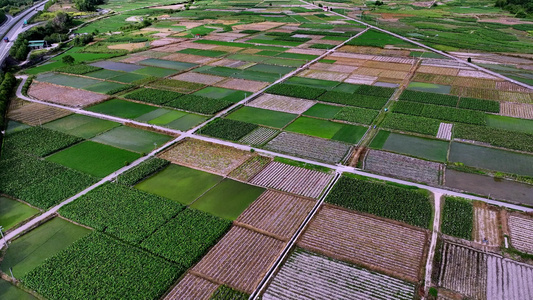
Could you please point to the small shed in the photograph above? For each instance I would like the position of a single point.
(37, 44)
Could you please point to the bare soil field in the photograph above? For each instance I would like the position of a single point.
(228, 63)
(199, 78)
(36, 114)
(291, 179)
(240, 259)
(306, 51)
(374, 51)
(464, 270)
(476, 74)
(387, 65)
(206, 156)
(486, 224)
(508, 279)
(373, 243)
(64, 95)
(479, 83)
(306, 273)
(257, 26)
(190, 58)
(282, 103)
(250, 168)
(402, 166)
(164, 42)
(438, 70)
(134, 59)
(277, 213)
(192, 287)
(243, 85)
(510, 87)
(445, 131)
(128, 46)
(392, 59)
(516, 97)
(521, 230)
(259, 136)
(361, 79)
(333, 67)
(517, 110)
(324, 75)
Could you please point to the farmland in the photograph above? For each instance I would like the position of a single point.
(308, 273)
(268, 150)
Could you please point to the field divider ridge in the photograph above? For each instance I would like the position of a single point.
(433, 242)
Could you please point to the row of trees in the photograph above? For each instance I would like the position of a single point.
(87, 5)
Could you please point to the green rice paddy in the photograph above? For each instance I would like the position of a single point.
(122, 108)
(324, 111)
(327, 129)
(179, 183)
(13, 212)
(228, 199)
(33, 248)
(429, 87)
(80, 125)
(260, 116)
(168, 64)
(104, 87)
(155, 71)
(508, 123)
(94, 158)
(132, 139)
(416, 146)
(222, 93)
(11, 292)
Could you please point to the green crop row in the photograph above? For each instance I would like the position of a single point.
(39, 182)
(228, 129)
(6, 88)
(356, 115)
(376, 91)
(411, 123)
(39, 141)
(430, 98)
(187, 237)
(154, 96)
(440, 112)
(457, 217)
(297, 91)
(356, 99)
(100, 267)
(397, 203)
(124, 212)
(224, 292)
(119, 89)
(496, 137)
(322, 46)
(79, 69)
(199, 104)
(480, 104)
(143, 170)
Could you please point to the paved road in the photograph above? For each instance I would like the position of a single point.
(433, 243)
(14, 27)
(429, 48)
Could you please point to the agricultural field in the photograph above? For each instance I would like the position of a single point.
(275, 149)
(376, 244)
(308, 273)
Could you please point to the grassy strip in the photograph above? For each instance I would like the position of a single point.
(458, 217)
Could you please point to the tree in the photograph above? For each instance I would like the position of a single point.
(67, 59)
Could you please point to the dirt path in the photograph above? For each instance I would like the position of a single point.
(433, 243)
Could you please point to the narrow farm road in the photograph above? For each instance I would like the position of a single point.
(427, 47)
(433, 243)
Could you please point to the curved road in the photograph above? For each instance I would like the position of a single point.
(15, 26)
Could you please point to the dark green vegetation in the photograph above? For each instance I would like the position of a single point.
(411, 206)
(7, 84)
(154, 96)
(122, 108)
(13, 212)
(480, 104)
(439, 112)
(124, 212)
(32, 249)
(411, 123)
(296, 91)
(199, 104)
(325, 111)
(94, 158)
(143, 170)
(458, 217)
(179, 183)
(228, 129)
(327, 129)
(77, 69)
(39, 141)
(452, 101)
(187, 237)
(224, 292)
(495, 137)
(76, 273)
(261, 116)
(354, 99)
(39, 182)
(10, 292)
(378, 39)
(228, 199)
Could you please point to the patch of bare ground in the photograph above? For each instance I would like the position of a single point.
(192, 287)
(240, 259)
(214, 158)
(198, 78)
(517, 110)
(520, 228)
(35, 114)
(242, 84)
(128, 46)
(250, 168)
(486, 224)
(64, 95)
